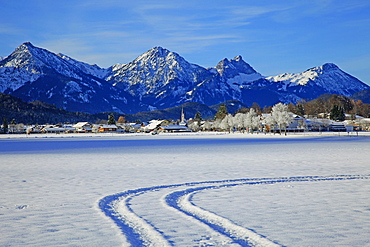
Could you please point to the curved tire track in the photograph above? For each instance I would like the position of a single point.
(140, 232)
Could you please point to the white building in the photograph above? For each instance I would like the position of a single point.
(83, 127)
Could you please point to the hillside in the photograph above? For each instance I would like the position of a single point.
(37, 112)
(40, 112)
(363, 95)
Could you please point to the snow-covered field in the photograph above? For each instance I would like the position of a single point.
(184, 190)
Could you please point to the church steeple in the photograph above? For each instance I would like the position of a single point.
(182, 119)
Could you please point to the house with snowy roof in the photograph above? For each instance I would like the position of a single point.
(174, 128)
(153, 125)
(53, 129)
(297, 122)
(83, 127)
(104, 128)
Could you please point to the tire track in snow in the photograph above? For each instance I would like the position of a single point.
(181, 200)
(137, 231)
(140, 232)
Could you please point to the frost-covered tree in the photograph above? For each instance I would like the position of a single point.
(281, 116)
(247, 121)
(239, 121)
(227, 123)
(217, 124)
(251, 120)
(269, 122)
(194, 126)
(206, 126)
(256, 120)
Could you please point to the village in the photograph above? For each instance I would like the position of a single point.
(250, 122)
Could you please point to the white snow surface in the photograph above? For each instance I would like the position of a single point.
(184, 190)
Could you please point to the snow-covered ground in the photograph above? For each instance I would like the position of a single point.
(185, 190)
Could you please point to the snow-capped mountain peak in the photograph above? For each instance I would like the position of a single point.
(32, 62)
(236, 72)
(329, 66)
(235, 66)
(158, 57)
(329, 77)
(158, 78)
(21, 66)
(157, 51)
(33, 73)
(21, 56)
(156, 72)
(37, 60)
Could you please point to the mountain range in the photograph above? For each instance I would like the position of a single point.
(158, 79)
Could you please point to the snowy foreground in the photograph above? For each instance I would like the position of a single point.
(185, 190)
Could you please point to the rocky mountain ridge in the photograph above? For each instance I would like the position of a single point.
(158, 79)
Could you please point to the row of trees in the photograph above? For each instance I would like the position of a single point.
(249, 120)
(6, 126)
(329, 106)
(333, 104)
(325, 104)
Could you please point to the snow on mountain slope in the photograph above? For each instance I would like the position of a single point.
(158, 79)
(236, 72)
(225, 83)
(212, 91)
(328, 76)
(94, 69)
(28, 63)
(36, 59)
(16, 69)
(156, 71)
(33, 73)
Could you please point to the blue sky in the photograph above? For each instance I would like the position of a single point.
(273, 36)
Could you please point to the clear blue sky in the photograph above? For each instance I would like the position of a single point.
(273, 36)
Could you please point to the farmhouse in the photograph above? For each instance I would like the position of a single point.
(153, 125)
(104, 128)
(174, 128)
(53, 129)
(83, 127)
